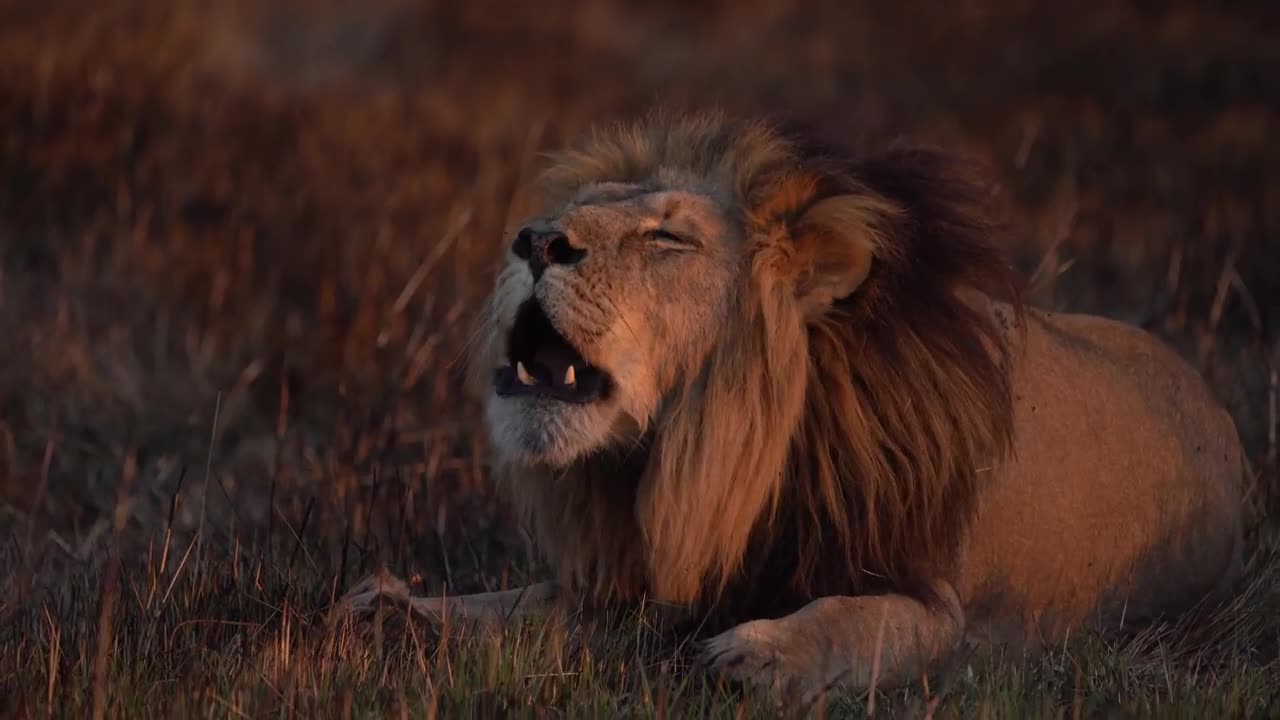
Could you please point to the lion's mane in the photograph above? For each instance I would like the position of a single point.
(837, 453)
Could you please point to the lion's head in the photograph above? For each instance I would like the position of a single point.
(715, 324)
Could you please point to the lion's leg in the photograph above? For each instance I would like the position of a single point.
(840, 640)
(484, 607)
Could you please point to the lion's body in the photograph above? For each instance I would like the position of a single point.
(1119, 502)
(1121, 496)
(825, 417)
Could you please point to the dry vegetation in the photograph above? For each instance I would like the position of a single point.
(239, 247)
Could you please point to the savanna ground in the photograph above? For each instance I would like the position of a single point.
(240, 244)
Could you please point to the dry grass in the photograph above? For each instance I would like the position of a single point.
(239, 248)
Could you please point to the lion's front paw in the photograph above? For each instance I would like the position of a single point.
(381, 588)
(761, 653)
(754, 653)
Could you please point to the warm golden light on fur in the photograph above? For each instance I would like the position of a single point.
(799, 382)
(829, 415)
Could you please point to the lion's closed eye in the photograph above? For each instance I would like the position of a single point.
(668, 240)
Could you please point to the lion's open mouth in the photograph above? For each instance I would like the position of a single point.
(543, 363)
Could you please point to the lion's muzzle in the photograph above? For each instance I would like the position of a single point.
(541, 362)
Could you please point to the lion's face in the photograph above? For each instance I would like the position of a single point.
(598, 309)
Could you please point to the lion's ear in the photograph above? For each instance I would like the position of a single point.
(835, 242)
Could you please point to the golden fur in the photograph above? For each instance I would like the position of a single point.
(831, 417)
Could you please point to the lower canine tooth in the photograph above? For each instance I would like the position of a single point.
(524, 375)
(569, 376)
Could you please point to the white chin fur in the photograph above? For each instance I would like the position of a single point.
(541, 431)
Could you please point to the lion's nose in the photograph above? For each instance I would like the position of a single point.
(543, 248)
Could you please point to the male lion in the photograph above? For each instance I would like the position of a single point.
(735, 371)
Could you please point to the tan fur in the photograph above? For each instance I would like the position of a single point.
(833, 418)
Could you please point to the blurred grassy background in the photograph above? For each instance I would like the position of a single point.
(240, 244)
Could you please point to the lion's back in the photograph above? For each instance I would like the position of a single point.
(1178, 400)
(1123, 493)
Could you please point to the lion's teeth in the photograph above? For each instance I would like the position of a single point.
(569, 376)
(524, 375)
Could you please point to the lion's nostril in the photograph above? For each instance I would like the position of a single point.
(558, 251)
(544, 248)
(523, 245)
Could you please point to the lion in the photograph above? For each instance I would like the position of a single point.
(798, 394)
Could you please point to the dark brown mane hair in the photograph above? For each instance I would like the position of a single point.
(909, 399)
(850, 462)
